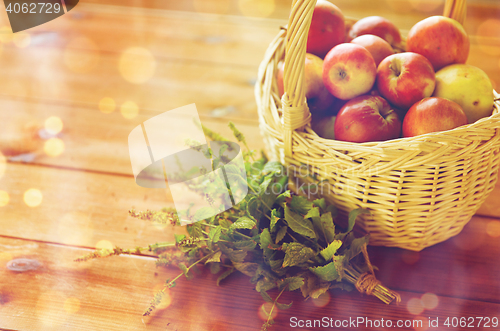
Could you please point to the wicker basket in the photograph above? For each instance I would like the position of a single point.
(420, 190)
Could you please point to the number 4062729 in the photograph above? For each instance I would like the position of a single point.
(471, 322)
(34, 8)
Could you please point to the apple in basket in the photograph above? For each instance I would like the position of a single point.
(349, 70)
(433, 115)
(378, 47)
(378, 26)
(440, 39)
(468, 86)
(367, 118)
(327, 28)
(318, 97)
(405, 78)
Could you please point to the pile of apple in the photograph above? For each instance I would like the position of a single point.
(359, 89)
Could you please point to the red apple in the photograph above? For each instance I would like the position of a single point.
(349, 70)
(327, 28)
(440, 39)
(378, 47)
(433, 115)
(377, 26)
(405, 78)
(367, 118)
(318, 97)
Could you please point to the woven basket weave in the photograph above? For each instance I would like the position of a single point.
(420, 190)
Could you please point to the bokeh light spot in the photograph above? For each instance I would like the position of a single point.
(33, 197)
(81, 55)
(49, 305)
(265, 310)
(21, 39)
(4, 198)
(107, 105)
(429, 301)
(53, 125)
(137, 65)
(166, 299)
(71, 305)
(53, 147)
(104, 244)
(493, 229)
(415, 306)
(322, 300)
(129, 110)
(5, 257)
(256, 8)
(6, 34)
(220, 7)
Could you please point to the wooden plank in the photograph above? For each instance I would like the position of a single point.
(95, 209)
(464, 266)
(80, 208)
(111, 294)
(93, 140)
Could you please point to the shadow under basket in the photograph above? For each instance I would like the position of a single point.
(420, 190)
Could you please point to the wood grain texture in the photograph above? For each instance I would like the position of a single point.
(207, 53)
(112, 293)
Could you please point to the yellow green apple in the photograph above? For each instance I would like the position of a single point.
(468, 86)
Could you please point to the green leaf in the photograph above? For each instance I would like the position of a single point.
(284, 306)
(214, 268)
(214, 258)
(293, 283)
(185, 270)
(327, 272)
(274, 219)
(320, 203)
(243, 223)
(356, 247)
(300, 204)
(281, 234)
(265, 296)
(275, 264)
(254, 208)
(265, 239)
(339, 265)
(233, 255)
(296, 253)
(225, 223)
(264, 285)
(282, 197)
(331, 249)
(353, 215)
(204, 213)
(325, 225)
(246, 268)
(246, 245)
(318, 292)
(214, 236)
(298, 224)
(179, 237)
(224, 275)
(273, 167)
(313, 212)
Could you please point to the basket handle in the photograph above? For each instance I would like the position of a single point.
(295, 111)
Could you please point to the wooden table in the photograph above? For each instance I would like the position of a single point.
(204, 52)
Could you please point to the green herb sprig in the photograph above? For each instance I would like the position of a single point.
(280, 240)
